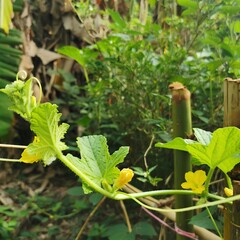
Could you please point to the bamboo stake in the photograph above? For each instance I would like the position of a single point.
(182, 127)
(232, 118)
(235, 234)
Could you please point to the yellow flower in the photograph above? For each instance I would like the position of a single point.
(228, 192)
(195, 181)
(30, 158)
(125, 176)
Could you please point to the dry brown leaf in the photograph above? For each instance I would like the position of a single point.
(78, 29)
(47, 56)
(31, 49)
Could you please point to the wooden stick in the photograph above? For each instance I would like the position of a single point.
(12, 146)
(9, 160)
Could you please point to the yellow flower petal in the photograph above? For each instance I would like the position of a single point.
(186, 185)
(189, 176)
(195, 181)
(199, 190)
(200, 177)
(125, 176)
(29, 158)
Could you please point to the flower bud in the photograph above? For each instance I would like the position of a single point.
(125, 176)
(228, 192)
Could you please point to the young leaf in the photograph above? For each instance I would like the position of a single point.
(20, 94)
(96, 162)
(44, 123)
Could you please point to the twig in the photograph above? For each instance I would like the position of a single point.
(89, 217)
(146, 152)
(9, 160)
(12, 146)
(126, 216)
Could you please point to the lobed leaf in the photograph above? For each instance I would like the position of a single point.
(204, 137)
(220, 149)
(177, 144)
(96, 161)
(44, 123)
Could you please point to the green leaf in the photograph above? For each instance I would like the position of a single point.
(82, 56)
(6, 12)
(20, 94)
(221, 150)
(204, 137)
(96, 161)
(198, 151)
(95, 198)
(75, 191)
(229, 9)
(224, 148)
(12, 39)
(73, 53)
(144, 229)
(177, 144)
(44, 123)
(187, 3)
(120, 231)
(236, 26)
(6, 116)
(116, 17)
(203, 220)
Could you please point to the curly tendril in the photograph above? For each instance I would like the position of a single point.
(40, 87)
(22, 75)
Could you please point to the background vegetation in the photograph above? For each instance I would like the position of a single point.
(125, 56)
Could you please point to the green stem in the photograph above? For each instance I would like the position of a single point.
(208, 180)
(135, 196)
(124, 196)
(77, 171)
(214, 223)
(229, 181)
(86, 74)
(40, 90)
